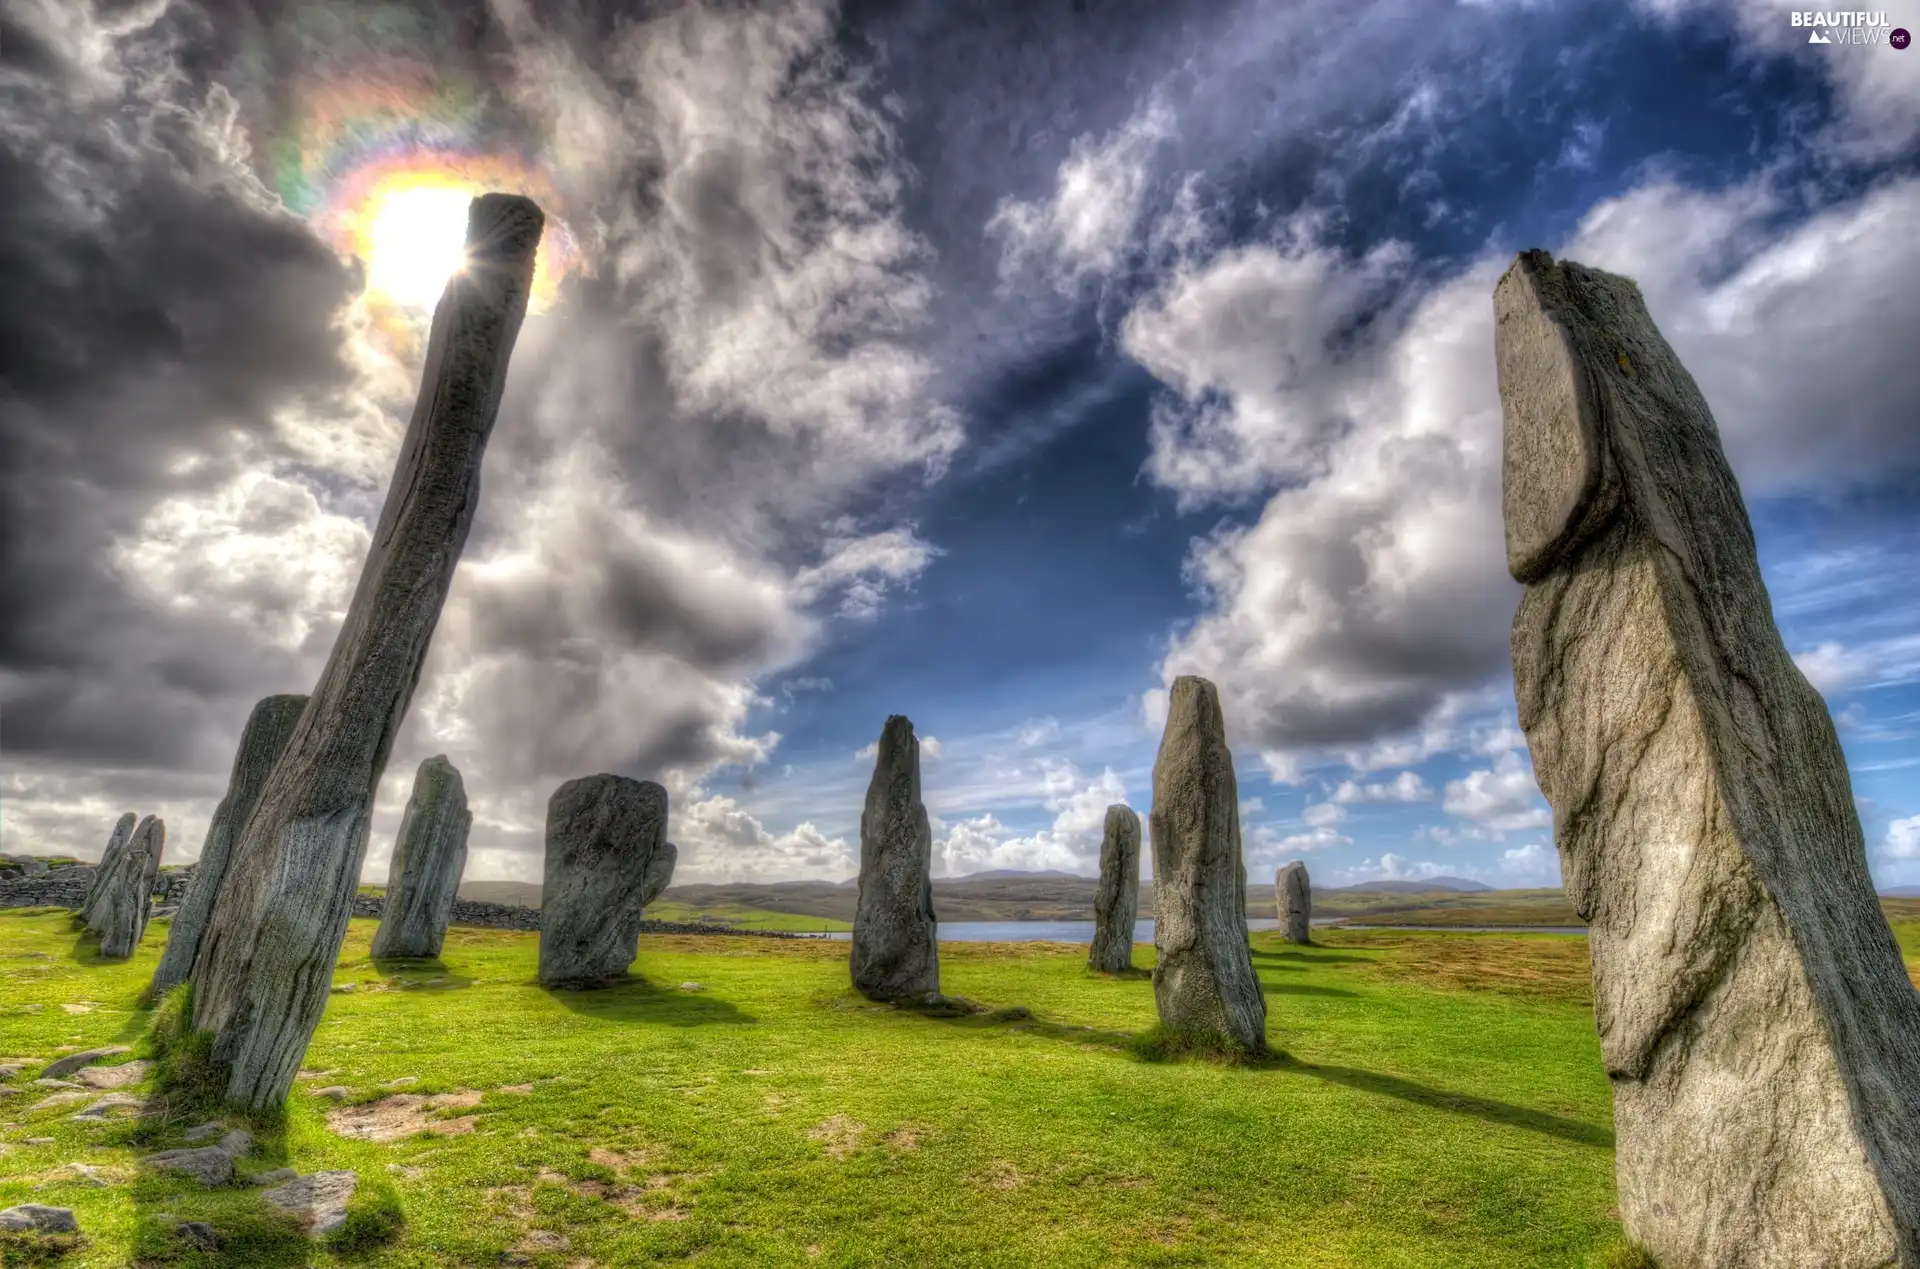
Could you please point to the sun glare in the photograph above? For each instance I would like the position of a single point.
(415, 241)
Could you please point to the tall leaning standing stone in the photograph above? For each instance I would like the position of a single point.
(261, 982)
(109, 858)
(1293, 896)
(1760, 1033)
(1203, 980)
(120, 918)
(1117, 898)
(607, 857)
(262, 741)
(894, 955)
(428, 858)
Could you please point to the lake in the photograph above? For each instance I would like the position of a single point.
(1082, 931)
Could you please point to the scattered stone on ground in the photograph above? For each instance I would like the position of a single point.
(209, 1165)
(1758, 1028)
(39, 1219)
(1293, 897)
(315, 1075)
(264, 738)
(66, 1097)
(334, 1092)
(47, 1083)
(201, 1235)
(105, 1107)
(11, 1070)
(894, 956)
(89, 1173)
(39, 1141)
(203, 1132)
(1117, 899)
(404, 1114)
(604, 834)
(74, 1061)
(428, 858)
(237, 1143)
(113, 1076)
(1203, 979)
(403, 1081)
(273, 1176)
(320, 1200)
(341, 989)
(691, 987)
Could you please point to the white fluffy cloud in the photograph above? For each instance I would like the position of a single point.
(1534, 864)
(1504, 799)
(1405, 787)
(1072, 844)
(861, 570)
(1903, 840)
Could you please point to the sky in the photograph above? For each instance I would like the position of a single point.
(992, 364)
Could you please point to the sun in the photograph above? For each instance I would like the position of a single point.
(415, 241)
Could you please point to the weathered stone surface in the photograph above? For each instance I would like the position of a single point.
(260, 981)
(1761, 1035)
(104, 1108)
(428, 858)
(116, 846)
(659, 874)
(123, 902)
(1293, 896)
(104, 1077)
(1117, 899)
(36, 1218)
(62, 1067)
(605, 834)
(209, 1165)
(320, 1199)
(1203, 979)
(262, 741)
(894, 955)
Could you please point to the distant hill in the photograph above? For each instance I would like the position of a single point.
(1901, 892)
(525, 894)
(1426, 885)
(1009, 874)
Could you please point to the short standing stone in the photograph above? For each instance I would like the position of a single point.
(1757, 1025)
(428, 858)
(1293, 896)
(604, 833)
(116, 846)
(260, 979)
(264, 738)
(120, 915)
(1117, 898)
(319, 1200)
(894, 954)
(1203, 979)
(34, 1218)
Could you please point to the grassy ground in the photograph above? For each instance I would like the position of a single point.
(1442, 1104)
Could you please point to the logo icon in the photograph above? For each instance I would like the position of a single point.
(1899, 38)
(1818, 38)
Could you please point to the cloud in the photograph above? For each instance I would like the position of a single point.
(1903, 840)
(1534, 863)
(1088, 225)
(1405, 787)
(862, 570)
(1392, 867)
(720, 841)
(930, 750)
(1072, 844)
(1501, 800)
(1318, 814)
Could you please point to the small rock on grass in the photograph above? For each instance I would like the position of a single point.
(110, 1103)
(237, 1143)
(39, 1219)
(278, 1176)
(203, 1236)
(203, 1132)
(86, 1057)
(66, 1097)
(39, 1141)
(113, 1076)
(320, 1199)
(335, 1092)
(88, 1173)
(209, 1165)
(43, 1082)
(691, 987)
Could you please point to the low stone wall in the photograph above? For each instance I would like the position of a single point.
(67, 888)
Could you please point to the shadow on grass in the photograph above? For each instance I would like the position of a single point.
(1304, 989)
(427, 973)
(1293, 958)
(638, 999)
(1461, 1103)
(173, 1213)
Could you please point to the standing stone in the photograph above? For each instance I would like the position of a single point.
(1203, 980)
(659, 874)
(116, 846)
(262, 741)
(1760, 1033)
(894, 955)
(428, 858)
(120, 917)
(1293, 894)
(606, 838)
(1117, 898)
(260, 982)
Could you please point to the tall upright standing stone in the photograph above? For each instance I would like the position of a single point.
(428, 858)
(1117, 898)
(120, 918)
(269, 728)
(607, 857)
(1760, 1033)
(109, 859)
(1203, 980)
(895, 957)
(1293, 896)
(261, 980)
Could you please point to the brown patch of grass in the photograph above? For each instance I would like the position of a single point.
(1539, 966)
(840, 1134)
(514, 1088)
(1001, 1175)
(403, 1115)
(905, 1139)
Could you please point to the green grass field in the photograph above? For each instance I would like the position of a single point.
(1441, 1103)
